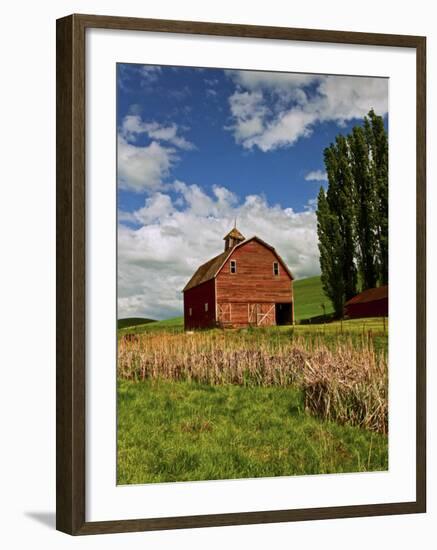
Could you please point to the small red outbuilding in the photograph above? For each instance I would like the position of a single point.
(369, 303)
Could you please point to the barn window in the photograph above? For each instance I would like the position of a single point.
(233, 266)
(190, 312)
(275, 269)
(206, 306)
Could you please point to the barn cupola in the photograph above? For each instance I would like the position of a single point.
(233, 238)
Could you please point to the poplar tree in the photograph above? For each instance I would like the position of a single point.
(328, 231)
(365, 207)
(341, 202)
(352, 215)
(378, 145)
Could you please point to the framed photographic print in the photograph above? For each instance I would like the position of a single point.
(240, 274)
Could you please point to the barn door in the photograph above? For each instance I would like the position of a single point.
(224, 313)
(252, 313)
(266, 315)
(261, 314)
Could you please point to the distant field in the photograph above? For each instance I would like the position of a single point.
(308, 299)
(133, 322)
(176, 431)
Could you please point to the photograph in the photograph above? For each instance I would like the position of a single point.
(252, 274)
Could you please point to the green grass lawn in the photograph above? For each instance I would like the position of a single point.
(179, 431)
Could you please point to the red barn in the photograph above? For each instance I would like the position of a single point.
(246, 285)
(369, 303)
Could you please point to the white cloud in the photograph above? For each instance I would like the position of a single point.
(246, 104)
(149, 73)
(156, 259)
(316, 175)
(133, 126)
(143, 168)
(283, 131)
(272, 110)
(256, 80)
(156, 207)
(345, 97)
(132, 74)
(248, 111)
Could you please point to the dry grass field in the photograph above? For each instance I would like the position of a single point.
(343, 380)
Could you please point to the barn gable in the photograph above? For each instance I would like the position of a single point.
(263, 243)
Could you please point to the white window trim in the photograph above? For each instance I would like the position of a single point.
(274, 271)
(233, 263)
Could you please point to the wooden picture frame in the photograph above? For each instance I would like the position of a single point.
(71, 253)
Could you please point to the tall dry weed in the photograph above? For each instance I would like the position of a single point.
(346, 383)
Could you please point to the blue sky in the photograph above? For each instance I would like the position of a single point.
(199, 147)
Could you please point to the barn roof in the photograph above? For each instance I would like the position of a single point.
(209, 270)
(370, 295)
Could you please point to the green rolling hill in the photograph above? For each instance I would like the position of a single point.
(142, 325)
(308, 299)
(133, 322)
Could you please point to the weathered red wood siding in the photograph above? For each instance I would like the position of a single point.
(196, 298)
(254, 283)
(376, 308)
(254, 280)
